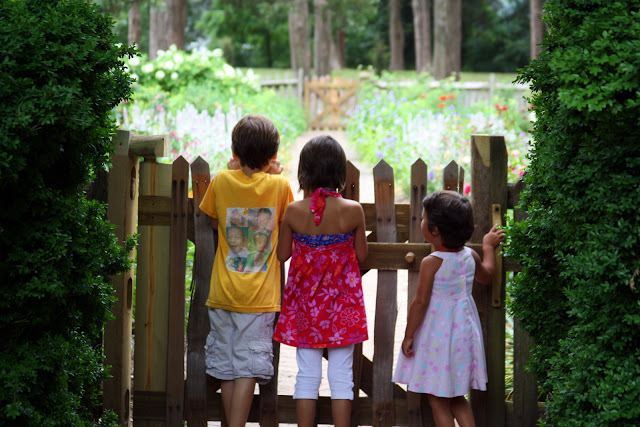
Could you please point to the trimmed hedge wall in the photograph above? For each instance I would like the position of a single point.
(62, 74)
(579, 292)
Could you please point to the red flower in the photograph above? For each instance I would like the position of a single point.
(467, 189)
(443, 97)
(442, 105)
(452, 96)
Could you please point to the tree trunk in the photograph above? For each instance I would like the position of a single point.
(176, 22)
(447, 39)
(135, 26)
(299, 44)
(338, 55)
(322, 38)
(158, 21)
(396, 36)
(422, 34)
(536, 26)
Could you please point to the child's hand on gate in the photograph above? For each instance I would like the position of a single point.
(274, 167)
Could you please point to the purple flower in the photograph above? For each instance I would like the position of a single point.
(379, 154)
(430, 175)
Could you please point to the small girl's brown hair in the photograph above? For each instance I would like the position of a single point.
(322, 164)
(452, 214)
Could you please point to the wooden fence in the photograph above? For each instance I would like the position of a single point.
(170, 384)
(291, 84)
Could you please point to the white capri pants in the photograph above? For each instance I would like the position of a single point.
(339, 372)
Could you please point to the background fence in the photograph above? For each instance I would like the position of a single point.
(291, 84)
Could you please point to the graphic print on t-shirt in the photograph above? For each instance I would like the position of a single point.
(249, 237)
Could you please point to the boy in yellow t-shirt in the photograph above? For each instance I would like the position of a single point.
(243, 299)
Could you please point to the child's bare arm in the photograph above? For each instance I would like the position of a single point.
(420, 303)
(486, 269)
(360, 241)
(285, 239)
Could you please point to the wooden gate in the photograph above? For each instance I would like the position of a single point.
(328, 101)
(164, 396)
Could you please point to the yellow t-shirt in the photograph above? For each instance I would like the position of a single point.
(246, 271)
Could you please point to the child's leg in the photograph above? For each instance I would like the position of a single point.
(237, 396)
(340, 373)
(462, 412)
(441, 408)
(307, 384)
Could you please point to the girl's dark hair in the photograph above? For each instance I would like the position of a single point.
(452, 214)
(322, 164)
(255, 141)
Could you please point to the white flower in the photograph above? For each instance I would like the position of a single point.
(228, 70)
(217, 53)
(135, 61)
(159, 75)
(174, 75)
(220, 74)
(134, 76)
(147, 68)
(178, 58)
(168, 65)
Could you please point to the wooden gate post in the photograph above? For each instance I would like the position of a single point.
(122, 211)
(352, 191)
(525, 386)
(419, 414)
(489, 188)
(198, 325)
(177, 267)
(386, 301)
(152, 294)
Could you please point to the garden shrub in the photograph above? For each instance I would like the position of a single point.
(579, 248)
(62, 75)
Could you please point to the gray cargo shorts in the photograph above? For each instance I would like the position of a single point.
(240, 345)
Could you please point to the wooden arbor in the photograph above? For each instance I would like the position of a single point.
(167, 217)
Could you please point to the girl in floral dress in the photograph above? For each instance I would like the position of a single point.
(442, 351)
(322, 304)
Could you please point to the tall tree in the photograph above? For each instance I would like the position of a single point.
(396, 36)
(167, 23)
(177, 22)
(536, 26)
(158, 21)
(135, 23)
(422, 34)
(299, 44)
(322, 38)
(447, 39)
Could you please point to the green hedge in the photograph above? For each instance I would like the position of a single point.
(580, 246)
(62, 74)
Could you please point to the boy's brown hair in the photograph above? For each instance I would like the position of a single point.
(255, 141)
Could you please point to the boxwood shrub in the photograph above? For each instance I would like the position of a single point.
(62, 74)
(579, 292)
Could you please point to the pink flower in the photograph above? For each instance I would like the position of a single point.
(467, 189)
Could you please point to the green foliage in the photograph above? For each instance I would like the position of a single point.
(496, 26)
(401, 123)
(579, 245)
(197, 98)
(61, 76)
